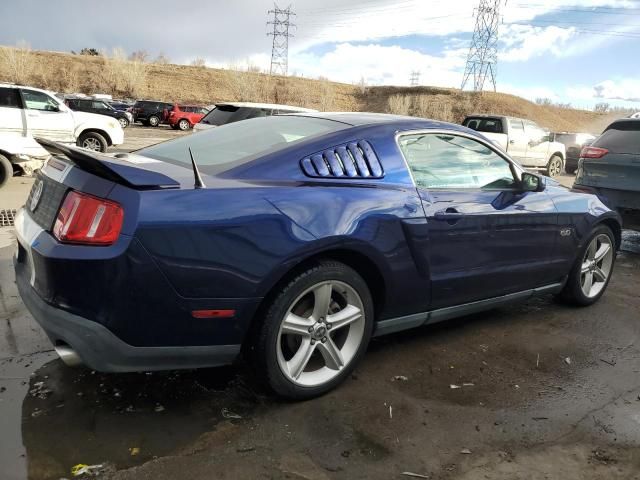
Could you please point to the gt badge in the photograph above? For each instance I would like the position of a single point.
(565, 232)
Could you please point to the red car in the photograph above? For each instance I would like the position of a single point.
(184, 117)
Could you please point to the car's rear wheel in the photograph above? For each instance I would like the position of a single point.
(154, 121)
(554, 167)
(6, 170)
(315, 331)
(93, 141)
(184, 124)
(592, 271)
(124, 123)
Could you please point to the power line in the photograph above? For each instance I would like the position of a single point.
(280, 47)
(483, 53)
(414, 78)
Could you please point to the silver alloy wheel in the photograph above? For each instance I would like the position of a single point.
(124, 123)
(154, 121)
(555, 167)
(596, 265)
(183, 124)
(320, 333)
(91, 143)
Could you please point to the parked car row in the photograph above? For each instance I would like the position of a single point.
(27, 113)
(100, 107)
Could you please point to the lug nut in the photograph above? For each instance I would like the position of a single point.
(313, 341)
(328, 326)
(310, 329)
(324, 339)
(321, 319)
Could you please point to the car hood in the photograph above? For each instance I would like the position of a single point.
(103, 121)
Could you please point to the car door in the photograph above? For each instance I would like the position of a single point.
(486, 236)
(517, 147)
(46, 117)
(12, 115)
(537, 145)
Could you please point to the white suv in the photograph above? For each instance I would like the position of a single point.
(27, 112)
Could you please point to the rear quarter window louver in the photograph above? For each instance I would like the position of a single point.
(350, 160)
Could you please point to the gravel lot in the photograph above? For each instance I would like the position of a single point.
(547, 391)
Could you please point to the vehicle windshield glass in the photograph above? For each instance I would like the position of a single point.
(621, 137)
(220, 115)
(488, 125)
(220, 149)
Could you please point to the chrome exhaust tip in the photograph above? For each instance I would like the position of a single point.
(68, 355)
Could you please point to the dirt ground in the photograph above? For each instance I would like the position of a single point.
(546, 391)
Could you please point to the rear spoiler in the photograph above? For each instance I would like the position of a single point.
(109, 168)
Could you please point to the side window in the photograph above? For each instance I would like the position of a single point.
(9, 97)
(97, 105)
(445, 161)
(516, 125)
(257, 113)
(39, 101)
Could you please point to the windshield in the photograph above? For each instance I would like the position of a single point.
(220, 149)
(621, 137)
(220, 115)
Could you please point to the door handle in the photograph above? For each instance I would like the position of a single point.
(511, 142)
(448, 214)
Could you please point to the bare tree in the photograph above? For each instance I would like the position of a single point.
(198, 62)
(139, 56)
(162, 59)
(17, 62)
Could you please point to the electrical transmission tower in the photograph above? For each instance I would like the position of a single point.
(414, 78)
(483, 53)
(280, 47)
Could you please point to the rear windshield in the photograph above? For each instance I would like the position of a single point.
(220, 149)
(620, 137)
(220, 115)
(481, 124)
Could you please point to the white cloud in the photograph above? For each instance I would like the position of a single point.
(377, 64)
(625, 89)
(523, 42)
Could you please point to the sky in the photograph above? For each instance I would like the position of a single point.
(581, 52)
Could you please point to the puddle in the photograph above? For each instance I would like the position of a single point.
(79, 416)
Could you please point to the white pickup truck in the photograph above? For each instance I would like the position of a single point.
(523, 140)
(27, 112)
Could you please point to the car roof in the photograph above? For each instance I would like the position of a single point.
(357, 119)
(267, 105)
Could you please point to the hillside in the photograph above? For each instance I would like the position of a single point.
(75, 73)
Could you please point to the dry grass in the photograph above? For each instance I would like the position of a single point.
(117, 75)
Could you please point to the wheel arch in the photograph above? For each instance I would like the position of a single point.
(363, 264)
(557, 154)
(615, 227)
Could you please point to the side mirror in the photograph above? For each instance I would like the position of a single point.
(531, 182)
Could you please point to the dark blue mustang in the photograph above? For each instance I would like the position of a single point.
(294, 239)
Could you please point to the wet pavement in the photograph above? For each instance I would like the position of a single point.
(537, 390)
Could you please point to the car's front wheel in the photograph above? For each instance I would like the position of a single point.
(592, 270)
(93, 141)
(153, 121)
(315, 331)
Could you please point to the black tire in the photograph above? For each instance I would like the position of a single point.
(572, 292)
(153, 121)
(124, 122)
(570, 170)
(184, 125)
(6, 170)
(93, 141)
(265, 343)
(175, 126)
(555, 166)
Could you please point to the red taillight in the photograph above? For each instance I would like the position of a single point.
(213, 313)
(593, 152)
(88, 220)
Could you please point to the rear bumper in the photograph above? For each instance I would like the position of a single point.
(101, 350)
